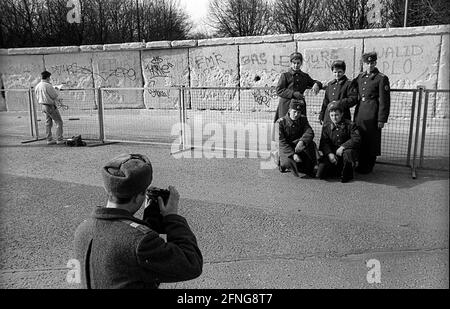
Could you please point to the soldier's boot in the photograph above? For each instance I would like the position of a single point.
(347, 172)
(362, 167)
(371, 164)
(321, 171)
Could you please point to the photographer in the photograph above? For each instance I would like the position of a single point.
(117, 250)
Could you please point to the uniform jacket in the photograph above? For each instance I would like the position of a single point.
(373, 107)
(345, 133)
(291, 132)
(289, 83)
(45, 93)
(343, 92)
(117, 250)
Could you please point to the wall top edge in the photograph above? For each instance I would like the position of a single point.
(373, 33)
(326, 35)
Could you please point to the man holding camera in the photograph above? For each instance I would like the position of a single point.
(117, 250)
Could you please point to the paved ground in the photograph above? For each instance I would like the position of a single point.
(256, 228)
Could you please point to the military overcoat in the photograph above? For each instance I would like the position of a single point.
(373, 107)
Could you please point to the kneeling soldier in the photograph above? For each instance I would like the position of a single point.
(339, 144)
(297, 149)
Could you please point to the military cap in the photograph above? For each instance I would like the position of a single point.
(339, 64)
(127, 175)
(335, 106)
(369, 57)
(296, 104)
(296, 55)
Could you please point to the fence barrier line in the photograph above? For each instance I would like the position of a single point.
(416, 138)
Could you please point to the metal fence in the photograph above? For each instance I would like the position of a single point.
(434, 134)
(239, 119)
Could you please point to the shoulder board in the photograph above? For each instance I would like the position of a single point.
(144, 229)
(331, 82)
(348, 122)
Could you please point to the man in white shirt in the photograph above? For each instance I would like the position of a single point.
(46, 95)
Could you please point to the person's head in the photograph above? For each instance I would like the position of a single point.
(296, 61)
(126, 179)
(369, 61)
(336, 112)
(338, 68)
(295, 108)
(46, 75)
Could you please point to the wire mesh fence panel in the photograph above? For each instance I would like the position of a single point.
(79, 112)
(395, 140)
(152, 115)
(313, 107)
(228, 118)
(15, 117)
(435, 131)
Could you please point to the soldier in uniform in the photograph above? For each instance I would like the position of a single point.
(372, 111)
(296, 146)
(340, 90)
(292, 85)
(339, 144)
(117, 250)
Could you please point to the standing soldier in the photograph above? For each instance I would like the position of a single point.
(341, 91)
(372, 111)
(292, 85)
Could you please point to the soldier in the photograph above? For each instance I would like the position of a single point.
(372, 111)
(117, 250)
(296, 145)
(340, 90)
(339, 144)
(292, 85)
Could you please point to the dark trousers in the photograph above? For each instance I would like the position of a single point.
(306, 165)
(343, 166)
(366, 163)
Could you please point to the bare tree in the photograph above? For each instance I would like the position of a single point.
(26, 23)
(240, 17)
(420, 12)
(297, 16)
(164, 20)
(346, 14)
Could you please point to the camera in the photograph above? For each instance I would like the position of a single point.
(152, 213)
(153, 193)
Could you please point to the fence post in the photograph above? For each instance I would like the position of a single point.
(411, 128)
(180, 114)
(33, 108)
(100, 115)
(416, 137)
(424, 126)
(30, 111)
(183, 122)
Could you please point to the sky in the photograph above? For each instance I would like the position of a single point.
(198, 10)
